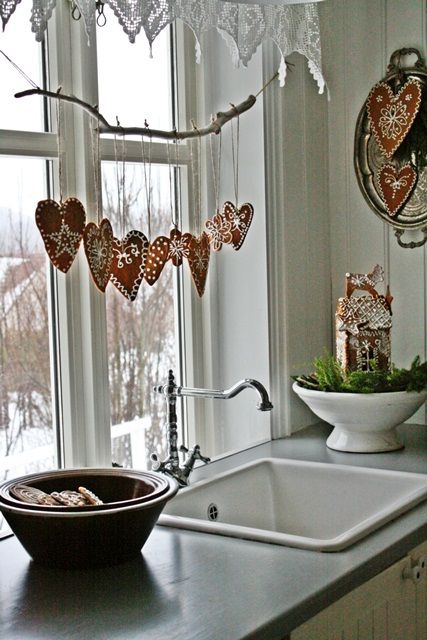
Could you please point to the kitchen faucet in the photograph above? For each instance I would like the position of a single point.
(171, 392)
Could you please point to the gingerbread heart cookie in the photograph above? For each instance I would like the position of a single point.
(178, 246)
(218, 230)
(158, 255)
(128, 263)
(61, 226)
(391, 115)
(198, 261)
(240, 220)
(98, 243)
(396, 185)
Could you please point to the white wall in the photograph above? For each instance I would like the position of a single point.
(320, 225)
(298, 234)
(316, 221)
(358, 38)
(235, 305)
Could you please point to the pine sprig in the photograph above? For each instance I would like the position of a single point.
(328, 376)
(328, 373)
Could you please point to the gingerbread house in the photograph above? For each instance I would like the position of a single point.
(363, 323)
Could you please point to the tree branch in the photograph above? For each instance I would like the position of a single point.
(222, 117)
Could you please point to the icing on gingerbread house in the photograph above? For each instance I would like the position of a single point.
(363, 323)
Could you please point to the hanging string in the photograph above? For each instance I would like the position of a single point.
(216, 169)
(60, 143)
(171, 201)
(96, 166)
(193, 181)
(149, 185)
(125, 212)
(116, 166)
(176, 182)
(263, 88)
(235, 158)
(143, 166)
(99, 178)
(121, 181)
(147, 181)
(19, 70)
(199, 164)
(197, 178)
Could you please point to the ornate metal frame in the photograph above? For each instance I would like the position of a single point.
(368, 158)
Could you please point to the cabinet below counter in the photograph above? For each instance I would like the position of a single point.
(390, 606)
(205, 587)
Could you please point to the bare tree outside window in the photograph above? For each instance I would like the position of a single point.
(26, 429)
(141, 335)
(141, 341)
(26, 432)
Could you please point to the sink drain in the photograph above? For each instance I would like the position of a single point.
(213, 511)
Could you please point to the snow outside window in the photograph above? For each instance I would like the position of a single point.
(76, 384)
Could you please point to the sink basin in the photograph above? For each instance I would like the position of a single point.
(309, 505)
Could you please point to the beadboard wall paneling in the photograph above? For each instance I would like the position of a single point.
(298, 235)
(353, 62)
(237, 289)
(318, 223)
(407, 266)
(358, 38)
(369, 32)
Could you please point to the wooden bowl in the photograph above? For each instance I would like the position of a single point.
(88, 536)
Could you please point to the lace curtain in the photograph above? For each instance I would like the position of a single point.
(293, 27)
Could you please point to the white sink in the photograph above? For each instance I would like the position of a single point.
(310, 505)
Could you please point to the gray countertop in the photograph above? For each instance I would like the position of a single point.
(205, 587)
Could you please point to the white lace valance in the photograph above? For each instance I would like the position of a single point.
(293, 25)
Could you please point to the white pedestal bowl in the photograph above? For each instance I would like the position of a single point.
(364, 422)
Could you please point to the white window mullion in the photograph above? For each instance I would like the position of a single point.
(28, 143)
(81, 307)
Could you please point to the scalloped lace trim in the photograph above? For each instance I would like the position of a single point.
(293, 27)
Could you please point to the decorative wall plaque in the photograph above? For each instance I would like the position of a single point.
(390, 146)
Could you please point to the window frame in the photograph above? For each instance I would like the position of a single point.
(83, 405)
(78, 332)
(81, 307)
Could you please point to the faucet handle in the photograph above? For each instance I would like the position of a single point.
(156, 462)
(195, 453)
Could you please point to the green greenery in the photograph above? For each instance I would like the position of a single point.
(328, 376)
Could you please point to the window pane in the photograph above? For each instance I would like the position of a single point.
(141, 336)
(133, 86)
(19, 44)
(27, 442)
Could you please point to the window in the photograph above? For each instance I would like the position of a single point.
(141, 334)
(26, 431)
(92, 399)
(28, 441)
(19, 44)
(138, 195)
(103, 378)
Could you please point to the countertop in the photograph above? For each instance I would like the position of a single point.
(203, 587)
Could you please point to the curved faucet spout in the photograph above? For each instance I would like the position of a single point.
(248, 383)
(171, 391)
